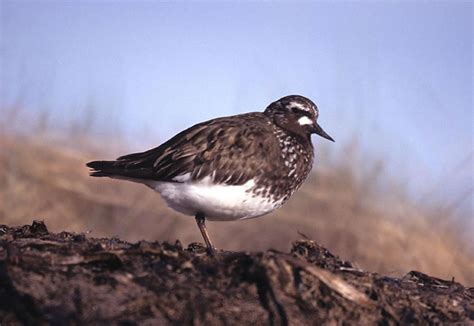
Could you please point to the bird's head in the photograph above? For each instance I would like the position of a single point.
(296, 114)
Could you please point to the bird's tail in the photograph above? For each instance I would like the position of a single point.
(104, 168)
(119, 169)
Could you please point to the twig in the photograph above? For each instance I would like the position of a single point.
(334, 282)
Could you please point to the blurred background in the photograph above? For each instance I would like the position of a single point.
(393, 81)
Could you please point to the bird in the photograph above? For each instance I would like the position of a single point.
(228, 168)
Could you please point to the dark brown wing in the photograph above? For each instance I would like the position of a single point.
(231, 150)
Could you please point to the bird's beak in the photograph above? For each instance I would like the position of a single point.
(319, 131)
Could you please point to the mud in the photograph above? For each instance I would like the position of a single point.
(68, 278)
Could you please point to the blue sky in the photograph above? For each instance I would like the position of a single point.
(398, 75)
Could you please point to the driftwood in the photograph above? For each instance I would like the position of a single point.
(67, 278)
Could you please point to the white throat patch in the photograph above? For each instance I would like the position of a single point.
(305, 121)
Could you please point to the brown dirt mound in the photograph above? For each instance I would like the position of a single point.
(67, 278)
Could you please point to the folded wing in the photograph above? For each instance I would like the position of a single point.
(230, 151)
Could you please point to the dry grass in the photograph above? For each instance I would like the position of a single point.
(341, 209)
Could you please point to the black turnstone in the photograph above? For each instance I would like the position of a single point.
(229, 168)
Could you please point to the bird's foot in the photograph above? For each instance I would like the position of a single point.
(201, 248)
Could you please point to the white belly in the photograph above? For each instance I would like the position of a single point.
(217, 202)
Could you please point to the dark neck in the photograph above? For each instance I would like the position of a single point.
(303, 140)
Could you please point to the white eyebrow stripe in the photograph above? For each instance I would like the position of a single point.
(299, 106)
(305, 121)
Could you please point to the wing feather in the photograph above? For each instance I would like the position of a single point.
(231, 150)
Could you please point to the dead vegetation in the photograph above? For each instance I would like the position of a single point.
(68, 278)
(346, 211)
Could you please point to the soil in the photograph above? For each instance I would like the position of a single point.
(68, 278)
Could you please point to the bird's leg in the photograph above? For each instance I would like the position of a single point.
(201, 222)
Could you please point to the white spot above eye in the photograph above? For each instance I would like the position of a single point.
(305, 121)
